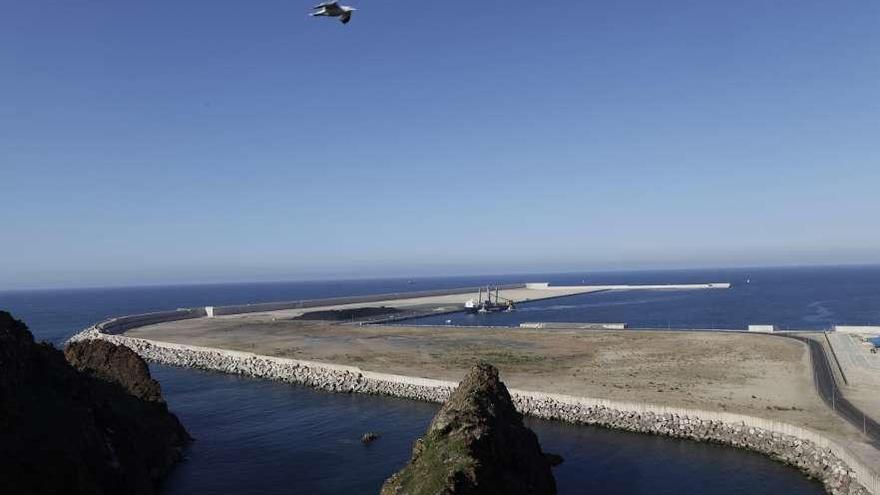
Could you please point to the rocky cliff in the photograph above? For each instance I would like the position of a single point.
(114, 364)
(99, 429)
(477, 444)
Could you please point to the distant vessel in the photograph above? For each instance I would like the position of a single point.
(748, 280)
(490, 304)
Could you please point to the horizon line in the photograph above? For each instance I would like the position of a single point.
(427, 277)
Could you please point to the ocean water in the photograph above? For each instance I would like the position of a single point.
(798, 299)
(261, 437)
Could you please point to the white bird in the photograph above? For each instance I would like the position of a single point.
(333, 9)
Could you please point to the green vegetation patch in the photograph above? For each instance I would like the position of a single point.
(440, 459)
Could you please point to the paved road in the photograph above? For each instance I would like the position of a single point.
(854, 356)
(830, 391)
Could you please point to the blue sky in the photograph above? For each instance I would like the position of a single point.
(166, 141)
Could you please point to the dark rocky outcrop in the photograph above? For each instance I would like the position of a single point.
(103, 430)
(554, 459)
(115, 364)
(477, 444)
(369, 437)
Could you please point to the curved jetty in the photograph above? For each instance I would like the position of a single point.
(698, 379)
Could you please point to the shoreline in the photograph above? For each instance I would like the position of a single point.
(810, 452)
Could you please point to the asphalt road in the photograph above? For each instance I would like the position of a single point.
(830, 391)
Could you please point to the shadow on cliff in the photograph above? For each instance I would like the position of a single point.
(93, 423)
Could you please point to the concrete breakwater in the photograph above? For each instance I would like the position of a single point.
(522, 293)
(714, 285)
(808, 451)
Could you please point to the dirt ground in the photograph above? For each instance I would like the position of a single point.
(757, 375)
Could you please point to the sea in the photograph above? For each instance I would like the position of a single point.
(254, 436)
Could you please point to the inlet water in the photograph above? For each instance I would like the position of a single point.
(262, 437)
(272, 438)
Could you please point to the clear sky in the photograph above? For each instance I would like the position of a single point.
(213, 140)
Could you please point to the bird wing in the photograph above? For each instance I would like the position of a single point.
(344, 18)
(325, 5)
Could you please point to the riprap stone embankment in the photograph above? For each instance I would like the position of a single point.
(796, 447)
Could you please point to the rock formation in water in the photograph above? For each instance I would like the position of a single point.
(99, 429)
(115, 364)
(369, 437)
(477, 444)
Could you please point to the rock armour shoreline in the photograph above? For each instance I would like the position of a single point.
(807, 451)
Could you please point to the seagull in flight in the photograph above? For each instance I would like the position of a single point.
(333, 9)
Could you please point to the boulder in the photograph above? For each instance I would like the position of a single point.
(114, 364)
(369, 437)
(477, 444)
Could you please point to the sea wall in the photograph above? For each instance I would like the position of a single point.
(808, 451)
(715, 285)
(334, 301)
(123, 323)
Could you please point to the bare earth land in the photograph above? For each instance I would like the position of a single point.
(757, 375)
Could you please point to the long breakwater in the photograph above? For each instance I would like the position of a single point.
(808, 451)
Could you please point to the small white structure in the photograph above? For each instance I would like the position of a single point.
(578, 326)
(209, 310)
(546, 286)
(762, 328)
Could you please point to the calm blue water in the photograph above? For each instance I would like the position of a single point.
(801, 299)
(271, 438)
(261, 437)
